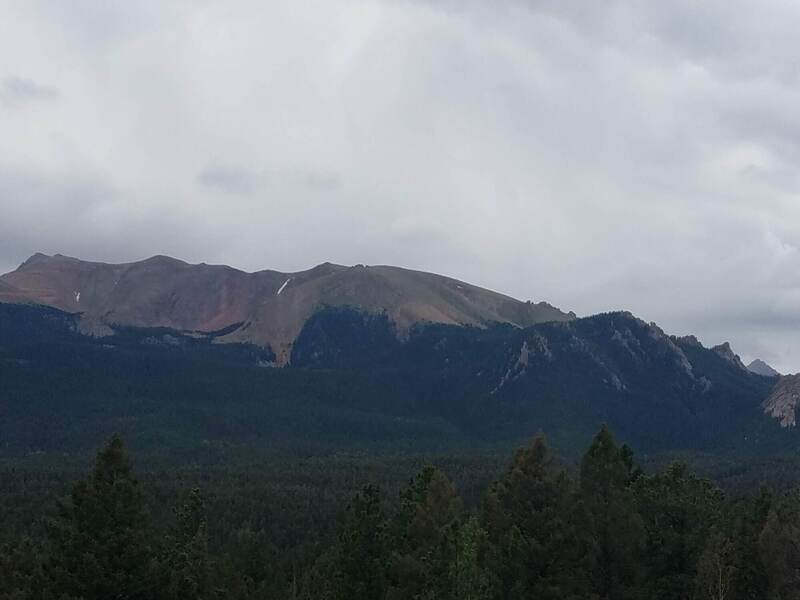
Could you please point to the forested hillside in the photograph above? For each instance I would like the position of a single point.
(354, 386)
(288, 462)
(609, 531)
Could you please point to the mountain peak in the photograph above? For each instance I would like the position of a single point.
(34, 258)
(689, 340)
(725, 351)
(759, 367)
(163, 259)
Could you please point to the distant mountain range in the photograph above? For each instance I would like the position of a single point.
(382, 354)
(266, 308)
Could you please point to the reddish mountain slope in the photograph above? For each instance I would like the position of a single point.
(270, 306)
(7, 288)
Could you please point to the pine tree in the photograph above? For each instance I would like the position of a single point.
(356, 566)
(677, 509)
(23, 572)
(100, 541)
(779, 545)
(530, 515)
(751, 581)
(188, 566)
(615, 530)
(424, 537)
(469, 578)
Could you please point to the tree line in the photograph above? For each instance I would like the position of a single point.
(608, 531)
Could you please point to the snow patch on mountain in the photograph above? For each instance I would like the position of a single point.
(283, 287)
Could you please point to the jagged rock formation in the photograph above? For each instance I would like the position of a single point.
(759, 367)
(726, 352)
(782, 402)
(266, 308)
(689, 340)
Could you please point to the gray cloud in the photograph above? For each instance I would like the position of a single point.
(615, 155)
(228, 179)
(82, 214)
(241, 180)
(18, 91)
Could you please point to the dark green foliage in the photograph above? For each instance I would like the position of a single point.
(750, 580)
(470, 573)
(355, 567)
(361, 551)
(532, 518)
(779, 546)
(353, 386)
(179, 399)
(344, 338)
(677, 509)
(101, 543)
(24, 572)
(615, 532)
(425, 538)
(186, 564)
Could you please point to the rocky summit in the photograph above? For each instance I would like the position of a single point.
(759, 367)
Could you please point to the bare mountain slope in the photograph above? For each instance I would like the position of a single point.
(268, 308)
(7, 288)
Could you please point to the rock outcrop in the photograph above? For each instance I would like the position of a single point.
(726, 352)
(782, 403)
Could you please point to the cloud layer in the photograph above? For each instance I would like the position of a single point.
(616, 155)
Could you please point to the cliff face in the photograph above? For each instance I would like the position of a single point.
(782, 403)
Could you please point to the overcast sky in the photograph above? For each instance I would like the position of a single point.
(597, 155)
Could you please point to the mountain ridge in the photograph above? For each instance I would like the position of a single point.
(271, 306)
(350, 373)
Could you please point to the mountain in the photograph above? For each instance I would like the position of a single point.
(8, 293)
(375, 356)
(565, 378)
(759, 367)
(353, 385)
(782, 401)
(265, 308)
